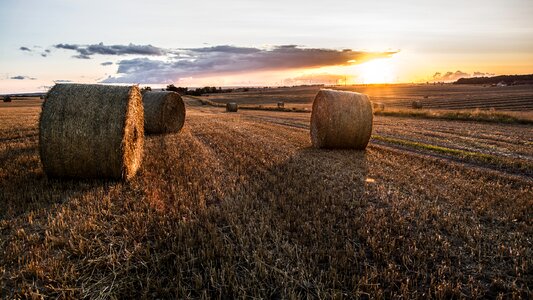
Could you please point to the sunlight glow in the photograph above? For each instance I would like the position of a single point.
(376, 71)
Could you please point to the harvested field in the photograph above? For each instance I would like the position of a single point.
(448, 96)
(241, 205)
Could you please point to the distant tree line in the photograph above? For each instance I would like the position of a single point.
(215, 90)
(507, 79)
(197, 91)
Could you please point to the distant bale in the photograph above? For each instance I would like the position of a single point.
(281, 104)
(7, 99)
(232, 107)
(164, 112)
(92, 131)
(378, 106)
(416, 105)
(341, 120)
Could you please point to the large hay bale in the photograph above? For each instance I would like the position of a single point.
(416, 104)
(232, 107)
(341, 120)
(92, 131)
(164, 112)
(281, 104)
(7, 99)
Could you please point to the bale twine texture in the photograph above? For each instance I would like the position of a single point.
(341, 120)
(92, 131)
(164, 112)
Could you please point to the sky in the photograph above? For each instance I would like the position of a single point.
(255, 43)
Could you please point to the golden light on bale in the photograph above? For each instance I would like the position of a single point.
(416, 105)
(92, 131)
(164, 112)
(341, 120)
(232, 107)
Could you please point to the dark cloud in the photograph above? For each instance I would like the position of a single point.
(198, 62)
(454, 76)
(25, 49)
(82, 56)
(47, 50)
(66, 46)
(86, 51)
(107, 63)
(21, 77)
(44, 54)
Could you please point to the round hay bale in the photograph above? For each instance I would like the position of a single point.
(232, 107)
(378, 106)
(281, 104)
(416, 105)
(164, 112)
(341, 120)
(7, 99)
(92, 131)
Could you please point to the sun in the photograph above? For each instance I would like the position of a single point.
(376, 71)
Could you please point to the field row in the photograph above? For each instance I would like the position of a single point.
(517, 98)
(239, 205)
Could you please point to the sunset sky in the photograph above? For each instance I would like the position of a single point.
(242, 42)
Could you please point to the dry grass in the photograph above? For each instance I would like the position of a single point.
(490, 116)
(401, 96)
(293, 108)
(234, 207)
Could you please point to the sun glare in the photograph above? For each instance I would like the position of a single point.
(376, 71)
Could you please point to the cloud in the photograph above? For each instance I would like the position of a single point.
(82, 56)
(62, 81)
(21, 77)
(207, 61)
(25, 49)
(454, 76)
(67, 46)
(86, 51)
(481, 74)
(45, 53)
(107, 63)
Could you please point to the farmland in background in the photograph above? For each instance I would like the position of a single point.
(446, 96)
(240, 205)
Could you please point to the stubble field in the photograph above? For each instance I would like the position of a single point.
(400, 96)
(240, 205)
